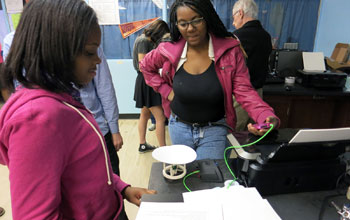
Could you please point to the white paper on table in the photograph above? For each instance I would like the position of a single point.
(258, 209)
(249, 193)
(247, 204)
(237, 202)
(177, 211)
(221, 195)
(201, 196)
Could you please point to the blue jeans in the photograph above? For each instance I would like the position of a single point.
(209, 142)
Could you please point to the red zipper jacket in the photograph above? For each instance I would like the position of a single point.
(231, 70)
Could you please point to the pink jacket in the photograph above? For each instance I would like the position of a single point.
(230, 68)
(58, 166)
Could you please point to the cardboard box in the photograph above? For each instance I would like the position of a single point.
(333, 64)
(340, 56)
(341, 52)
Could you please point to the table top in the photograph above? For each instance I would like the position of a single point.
(163, 185)
(295, 206)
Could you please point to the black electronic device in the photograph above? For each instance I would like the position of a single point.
(345, 69)
(282, 166)
(288, 88)
(209, 171)
(294, 176)
(274, 79)
(322, 79)
(288, 63)
(273, 60)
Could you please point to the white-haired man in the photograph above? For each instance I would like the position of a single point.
(257, 45)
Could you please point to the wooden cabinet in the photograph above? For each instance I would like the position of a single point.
(311, 110)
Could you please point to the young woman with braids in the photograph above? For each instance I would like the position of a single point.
(201, 69)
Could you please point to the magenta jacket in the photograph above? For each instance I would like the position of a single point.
(58, 166)
(230, 68)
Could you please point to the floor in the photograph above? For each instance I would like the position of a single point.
(135, 168)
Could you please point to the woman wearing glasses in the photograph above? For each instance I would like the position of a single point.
(201, 69)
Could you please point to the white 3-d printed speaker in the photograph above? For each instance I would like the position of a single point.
(174, 158)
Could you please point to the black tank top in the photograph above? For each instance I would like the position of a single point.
(198, 98)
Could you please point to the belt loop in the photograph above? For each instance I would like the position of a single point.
(175, 116)
(201, 132)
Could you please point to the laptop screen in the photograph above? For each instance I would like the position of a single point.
(289, 62)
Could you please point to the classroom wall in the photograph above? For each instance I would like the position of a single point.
(333, 25)
(124, 76)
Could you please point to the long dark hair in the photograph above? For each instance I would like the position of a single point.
(49, 36)
(156, 30)
(205, 9)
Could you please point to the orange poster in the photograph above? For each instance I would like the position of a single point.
(129, 28)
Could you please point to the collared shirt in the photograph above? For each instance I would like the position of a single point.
(99, 97)
(184, 54)
(7, 44)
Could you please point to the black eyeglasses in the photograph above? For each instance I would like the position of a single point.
(194, 23)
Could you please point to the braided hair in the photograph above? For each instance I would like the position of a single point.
(206, 10)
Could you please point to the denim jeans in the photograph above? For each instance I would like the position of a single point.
(209, 142)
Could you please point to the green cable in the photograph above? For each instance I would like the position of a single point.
(225, 158)
(241, 146)
(184, 179)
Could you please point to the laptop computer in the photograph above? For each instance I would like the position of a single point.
(293, 144)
